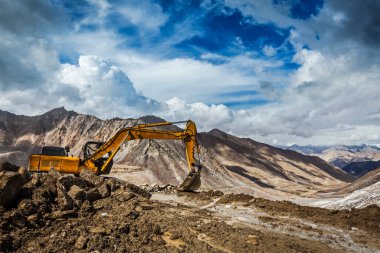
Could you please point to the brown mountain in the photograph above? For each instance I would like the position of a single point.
(230, 163)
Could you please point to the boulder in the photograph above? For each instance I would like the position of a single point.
(138, 190)
(11, 184)
(90, 176)
(65, 202)
(77, 194)
(93, 195)
(104, 190)
(6, 166)
(86, 209)
(68, 181)
(112, 183)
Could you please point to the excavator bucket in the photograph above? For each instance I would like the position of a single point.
(191, 183)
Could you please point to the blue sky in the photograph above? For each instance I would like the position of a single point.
(280, 71)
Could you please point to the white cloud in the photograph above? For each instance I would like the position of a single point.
(208, 117)
(145, 14)
(105, 89)
(332, 98)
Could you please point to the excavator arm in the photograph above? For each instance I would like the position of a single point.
(146, 131)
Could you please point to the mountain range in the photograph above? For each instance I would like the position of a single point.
(231, 164)
(340, 155)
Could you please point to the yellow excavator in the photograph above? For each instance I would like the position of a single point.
(98, 156)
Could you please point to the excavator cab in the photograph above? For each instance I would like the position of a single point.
(88, 150)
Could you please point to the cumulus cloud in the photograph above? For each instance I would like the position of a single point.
(332, 97)
(104, 89)
(208, 116)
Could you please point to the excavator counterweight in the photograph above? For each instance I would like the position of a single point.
(98, 156)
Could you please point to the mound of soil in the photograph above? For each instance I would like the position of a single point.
(230, 198)
(202, 196)
(366, 218)
(45, 202)
(62, 213)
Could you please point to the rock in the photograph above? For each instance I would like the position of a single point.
(90, 176)
(24, 174)
(104, 190)
(138, 190)
(124, 228)
(54, 173)
(27, 207)
(65, 202)
(93, 195)
(33, 219)
(68, 181)
(146, 207)
(125, 196)
(112, 183)
(86, 209)
(77, 194)
(81, 242)
(134, 214)
(6, 166)
(154, 188)
(63, 214)
(43, 194)
(35, 181)
(11, 184)
(50, 184)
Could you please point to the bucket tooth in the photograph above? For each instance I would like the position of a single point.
(191, 183)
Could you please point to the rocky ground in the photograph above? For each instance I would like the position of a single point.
(62, 213)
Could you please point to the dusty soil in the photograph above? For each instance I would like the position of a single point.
(60, 213)
(367, 218)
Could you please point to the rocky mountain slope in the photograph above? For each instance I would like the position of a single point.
(358, 169)
(340, 155)
(361, 198)
(362, 182)
(230, 163)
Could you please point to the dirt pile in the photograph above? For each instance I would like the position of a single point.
(230, 198)
(60, 213)
(366, 218)
(33, 202)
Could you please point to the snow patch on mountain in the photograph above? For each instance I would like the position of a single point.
(358, 199)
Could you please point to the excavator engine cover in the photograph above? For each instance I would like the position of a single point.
(191, 183)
